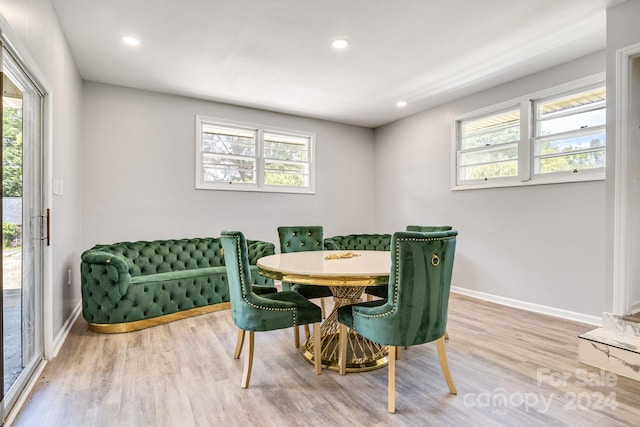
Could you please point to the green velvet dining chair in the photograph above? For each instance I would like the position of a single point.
(416, 312)
(381, 291)
(258, 313)
(301, 239)
(430, 229)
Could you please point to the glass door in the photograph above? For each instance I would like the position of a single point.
(21, 272)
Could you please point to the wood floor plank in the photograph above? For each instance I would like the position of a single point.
(511, 367)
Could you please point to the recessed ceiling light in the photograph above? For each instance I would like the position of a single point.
(130, 40)
(340, 43)
(401, 104)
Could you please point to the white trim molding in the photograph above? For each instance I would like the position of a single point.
(621, 255)
(17, 49)
(528, 306)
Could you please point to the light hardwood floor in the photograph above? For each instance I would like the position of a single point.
(511, 367)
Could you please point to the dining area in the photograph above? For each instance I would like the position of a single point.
(356, 329)
(183, 373)
(388, 293)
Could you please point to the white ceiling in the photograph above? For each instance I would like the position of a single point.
(277, 54)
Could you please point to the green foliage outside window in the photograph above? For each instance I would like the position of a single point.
(10, 232)
(569, 157)
(284, 174)
(493, 170)
(12, 152)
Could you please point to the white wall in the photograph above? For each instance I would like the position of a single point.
(41, 40)
(139, 183)
(539, 244)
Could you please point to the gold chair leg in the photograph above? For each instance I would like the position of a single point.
(307, 332)
(392, 380)
(317, 348)
(296, 337)
(248, 361)
(398, 353)
(342, 349)
(239, 343)
(444, 365)
(323, 309)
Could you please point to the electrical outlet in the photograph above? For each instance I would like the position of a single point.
(69, 277)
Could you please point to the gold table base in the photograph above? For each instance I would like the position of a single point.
(362, 354)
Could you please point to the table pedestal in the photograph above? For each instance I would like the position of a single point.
(362, 354)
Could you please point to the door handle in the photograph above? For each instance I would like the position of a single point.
(48, 227)
(45, 227)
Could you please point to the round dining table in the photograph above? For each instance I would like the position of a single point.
(347, 274)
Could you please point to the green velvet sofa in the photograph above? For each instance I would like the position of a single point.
(362, 242)
(128, 286)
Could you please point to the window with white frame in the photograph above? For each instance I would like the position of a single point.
(569, 132)
(247, 157)
(489, 146)
(553, 136)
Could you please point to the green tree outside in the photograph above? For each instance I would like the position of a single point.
(12, 152)
(10, 232)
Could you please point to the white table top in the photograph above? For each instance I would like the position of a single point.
(364, 268)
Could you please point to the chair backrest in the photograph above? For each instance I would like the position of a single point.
(419, 284)
(428, 228)
(253, 312)
(238, 275)
(300, 238)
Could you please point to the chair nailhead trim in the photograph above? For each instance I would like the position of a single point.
(244, 294)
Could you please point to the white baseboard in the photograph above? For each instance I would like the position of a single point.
(537, 308)
(66, 328)
(58, 342)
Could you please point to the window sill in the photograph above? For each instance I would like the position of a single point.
(586, 177)
(241, 187)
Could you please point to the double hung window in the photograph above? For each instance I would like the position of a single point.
(247, 157)
(553, 136)
(569, 133)
(489, 146)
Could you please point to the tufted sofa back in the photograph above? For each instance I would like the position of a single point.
(163, 256)
(366, 242)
